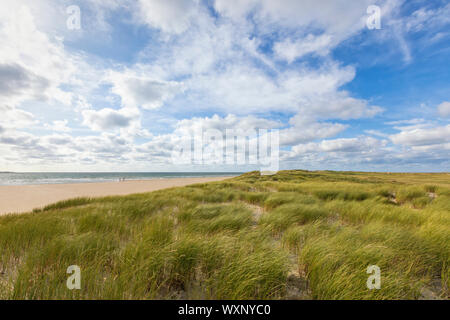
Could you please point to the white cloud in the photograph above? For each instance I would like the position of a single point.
(345, 145)
(191, 126)
(406, 122)
(424, 18)
(58, 139)
(59, 125)
(342, 106)
(289, 50)
(234, 8)
(34, 62)
(14, 118)
(243, 89)
(168, 15)
(444, 109)
(334, 17)
(19, 139)
(109, 119)
(430, 22)
(16, 81)
(377, 133)
(220, 62)
(342, 154)
(305, 129)
(410, 124)
(422, 137)
(140, 91)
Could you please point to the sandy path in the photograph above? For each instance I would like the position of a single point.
(16, 199)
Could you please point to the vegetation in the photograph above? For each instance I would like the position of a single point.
(295, 235)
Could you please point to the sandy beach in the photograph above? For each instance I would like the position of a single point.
(19, 199)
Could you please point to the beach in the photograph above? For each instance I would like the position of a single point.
(25, 198)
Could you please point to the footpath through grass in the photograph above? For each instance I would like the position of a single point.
(295, 235)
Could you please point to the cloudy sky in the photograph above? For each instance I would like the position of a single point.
(119, 92)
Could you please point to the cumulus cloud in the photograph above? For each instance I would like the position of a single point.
(172, 16)
(211, 68)
(444, 109)
(422, 137)
(19, 139)
(238, 87)
(191, 126)
(326, 16)
(58, 139)
(304, 129)
(138, 91)
(242, 89)
(17, 81)
(345, 145)
(221, 67)
(341, 105)
(109, 119)
(63, 150)
(342, 153)
(58, 125)
(35, 64)
(14, 118)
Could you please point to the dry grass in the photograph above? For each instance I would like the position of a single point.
(296, 234)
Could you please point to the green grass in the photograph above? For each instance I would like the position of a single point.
(243, 238)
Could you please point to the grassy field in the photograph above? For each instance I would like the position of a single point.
(293, 235)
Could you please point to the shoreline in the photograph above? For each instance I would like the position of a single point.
(110, 181)
(18, 199)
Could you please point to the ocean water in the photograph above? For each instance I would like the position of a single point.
(26, 178)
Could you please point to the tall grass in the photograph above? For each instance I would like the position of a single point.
(242, 238)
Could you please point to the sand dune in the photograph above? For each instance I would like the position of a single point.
(17, 199)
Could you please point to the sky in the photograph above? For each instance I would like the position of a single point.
(115, 85)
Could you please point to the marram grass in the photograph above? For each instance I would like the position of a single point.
(295, 235)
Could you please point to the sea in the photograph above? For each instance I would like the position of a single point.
(30, 178)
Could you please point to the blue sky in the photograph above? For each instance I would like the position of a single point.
(120, 92)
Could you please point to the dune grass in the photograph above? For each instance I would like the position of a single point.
(249, 237)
